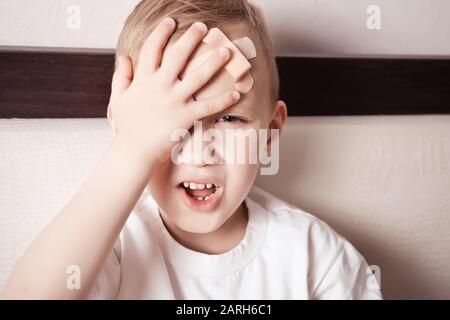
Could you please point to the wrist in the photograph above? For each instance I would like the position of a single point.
(132, 153)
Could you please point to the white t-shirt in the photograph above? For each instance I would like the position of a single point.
(286, 253)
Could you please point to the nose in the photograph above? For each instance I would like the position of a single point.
(196, 149)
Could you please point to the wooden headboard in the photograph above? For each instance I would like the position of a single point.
(39, 84)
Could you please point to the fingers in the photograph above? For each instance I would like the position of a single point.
(151, 52)
(122, 77)
(205, 108)
(121, 80)
(201, 75)
(175, 57)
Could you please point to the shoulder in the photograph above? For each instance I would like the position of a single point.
(288, 221)
(333, 266)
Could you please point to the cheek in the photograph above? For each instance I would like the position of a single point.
(241, 146)
(240, 177)
(159, 184)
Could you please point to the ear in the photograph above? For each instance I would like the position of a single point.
(277, 121)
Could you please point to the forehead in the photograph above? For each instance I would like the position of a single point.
(259, 95)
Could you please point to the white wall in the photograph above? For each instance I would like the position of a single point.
(304, 28)
(382, 182)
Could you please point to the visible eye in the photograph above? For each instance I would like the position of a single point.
(231, 118)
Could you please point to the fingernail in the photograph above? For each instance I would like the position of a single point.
(168, 21)
(223, 53)
(235, 95)
(201, 27)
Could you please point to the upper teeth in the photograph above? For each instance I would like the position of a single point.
(194, 186)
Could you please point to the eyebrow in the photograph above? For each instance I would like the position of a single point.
(244, 108)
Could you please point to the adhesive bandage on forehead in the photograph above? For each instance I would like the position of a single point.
(236, 72)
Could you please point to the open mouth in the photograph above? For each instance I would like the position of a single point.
(201, 196)
(200, 191)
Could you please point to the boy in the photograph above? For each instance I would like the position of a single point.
(147, 226)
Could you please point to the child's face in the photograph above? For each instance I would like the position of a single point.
(254, 111)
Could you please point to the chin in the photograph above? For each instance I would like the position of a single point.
(199, 227)
(202, 223)
(198, 230)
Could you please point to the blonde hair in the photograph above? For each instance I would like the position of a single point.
(148, 13)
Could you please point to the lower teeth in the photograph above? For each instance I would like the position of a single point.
(203, 198)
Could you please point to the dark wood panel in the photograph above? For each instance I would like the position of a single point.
(332, 86)
(68, 85)
(54, 85)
